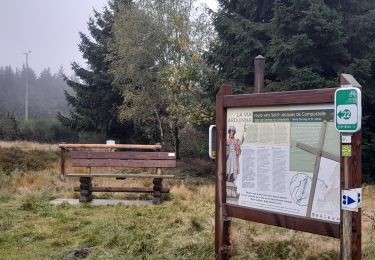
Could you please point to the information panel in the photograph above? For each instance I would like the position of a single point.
(284, 159)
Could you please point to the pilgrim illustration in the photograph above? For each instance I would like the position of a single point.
(233, 152)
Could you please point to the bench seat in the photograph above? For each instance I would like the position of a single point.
(124, 189)
(120, 175)
(106, 156)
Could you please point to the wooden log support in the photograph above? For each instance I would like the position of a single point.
(85, 189)
(62, 162)
(157, 191)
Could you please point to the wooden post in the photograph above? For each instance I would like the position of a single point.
(62, 161)
(222, 224)
(85, 189)
(351, 177)
(259, 64)
(157, 191)
(157, 188)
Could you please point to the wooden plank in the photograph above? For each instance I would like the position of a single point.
(309, 225)
(351, 174)
(315, 96)
(222, 225)
(123, 155)
(124, 163)
(120, 175)
(315, 151)
(112, 146)
(316, 169)
(124, 189)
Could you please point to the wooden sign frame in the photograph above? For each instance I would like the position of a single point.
(225, 211)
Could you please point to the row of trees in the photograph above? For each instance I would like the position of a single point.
(307, 44)
(155, 66)
(46, 93)
(146, 79)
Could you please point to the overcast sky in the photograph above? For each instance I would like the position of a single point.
(49, 28)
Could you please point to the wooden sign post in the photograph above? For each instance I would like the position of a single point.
(263, 136)
(351, 178)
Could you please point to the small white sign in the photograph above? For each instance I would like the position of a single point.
(346, 139)
(359, 198)
(349, 200)
(171, 154)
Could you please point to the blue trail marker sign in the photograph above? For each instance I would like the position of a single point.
(348, 109)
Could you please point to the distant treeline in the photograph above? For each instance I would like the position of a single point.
(46, 93)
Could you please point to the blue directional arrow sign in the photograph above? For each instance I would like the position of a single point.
(349, 200)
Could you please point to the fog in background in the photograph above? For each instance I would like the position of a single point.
(49, 28)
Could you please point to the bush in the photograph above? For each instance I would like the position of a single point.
(194, 143)
(197, 167)
(91, 138)
(46, 131)
(8, 127)
(15, 159)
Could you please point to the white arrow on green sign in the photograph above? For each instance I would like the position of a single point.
(348, 109)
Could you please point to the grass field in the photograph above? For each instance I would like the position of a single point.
(31, 228)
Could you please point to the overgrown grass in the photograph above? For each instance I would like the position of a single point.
(15, 159)
(31, 228)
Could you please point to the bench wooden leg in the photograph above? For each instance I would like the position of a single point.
(85, 189)
(157, 190)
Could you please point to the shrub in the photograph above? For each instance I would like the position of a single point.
(197, 167)
(15, 159)
(194, 143)
(8, 127)
(46, 131)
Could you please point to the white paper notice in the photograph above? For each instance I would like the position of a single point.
(265, 177)
(326, 203)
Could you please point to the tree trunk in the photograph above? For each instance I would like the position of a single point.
(160, 128)
(177, 141)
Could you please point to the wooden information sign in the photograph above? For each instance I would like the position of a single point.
(279, 162)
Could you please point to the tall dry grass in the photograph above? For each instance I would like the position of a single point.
(27, 146)
(181, 230)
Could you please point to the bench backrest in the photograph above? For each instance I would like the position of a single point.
(128, 159)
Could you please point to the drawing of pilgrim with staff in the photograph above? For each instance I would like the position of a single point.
(233, 152)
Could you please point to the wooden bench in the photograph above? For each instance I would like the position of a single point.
(104, 155)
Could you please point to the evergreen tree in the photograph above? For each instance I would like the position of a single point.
(94, 102)
(307, 44)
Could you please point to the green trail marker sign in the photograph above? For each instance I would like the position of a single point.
(348, 109)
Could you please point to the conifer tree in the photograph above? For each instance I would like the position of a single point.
(94, 102)
(307, 44)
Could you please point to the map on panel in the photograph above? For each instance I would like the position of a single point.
(284, 159)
